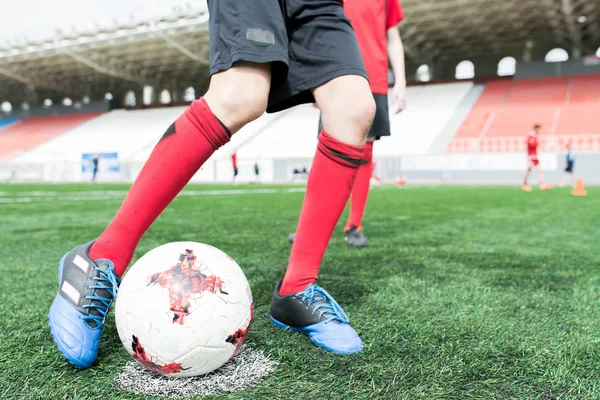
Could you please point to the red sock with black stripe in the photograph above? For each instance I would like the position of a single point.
(186, 145)
(360, 190)
(329, 184)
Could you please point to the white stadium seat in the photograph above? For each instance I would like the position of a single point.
(429, 109)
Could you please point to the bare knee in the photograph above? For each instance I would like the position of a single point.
(347, 108)
(239, 95)
(360, 111)
(239, 108)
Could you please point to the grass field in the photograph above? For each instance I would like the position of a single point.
(464, 293)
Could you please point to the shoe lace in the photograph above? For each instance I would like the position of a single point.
(107, 280)
(326, 304)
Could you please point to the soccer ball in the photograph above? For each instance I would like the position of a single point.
(184, 309)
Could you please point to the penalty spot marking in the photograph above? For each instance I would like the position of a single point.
(243, 372)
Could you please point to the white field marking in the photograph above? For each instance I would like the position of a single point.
(32, 194)
(242, 372)
(83, 196)
(70, 193)
(17, 200)
(240, 191)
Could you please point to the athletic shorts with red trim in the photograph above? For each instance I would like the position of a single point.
(534, 161)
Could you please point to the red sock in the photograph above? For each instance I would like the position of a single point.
(360, 190)
(186, 145)
(329, 184)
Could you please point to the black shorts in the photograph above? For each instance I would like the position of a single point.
(308, 42)
(569, 168)
(381, 122)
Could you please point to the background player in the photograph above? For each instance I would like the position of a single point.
(569, 166)
(256, 172)
(533, 160)
(95, 162)
(234, 165)
(251, 71)
(376, 25)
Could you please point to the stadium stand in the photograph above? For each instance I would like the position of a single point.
(287, 135)
(120, 131)
(29, 133)
(429, 109)
(239, 141)
(494, 119)
(294, 135)
(131, 134)
(507, 110)
(5, 123)
(585, 89)
(219, 165)
(290, 135)
(493, 97)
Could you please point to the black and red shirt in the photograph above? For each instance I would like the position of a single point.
(371, 20)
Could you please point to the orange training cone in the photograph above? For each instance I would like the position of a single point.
(579, 189)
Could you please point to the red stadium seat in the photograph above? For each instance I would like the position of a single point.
(29, 133)
(585, 89)
(493, 98)
(566, 107)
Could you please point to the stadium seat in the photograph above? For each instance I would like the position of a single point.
(493, 98)
(292, 136)
(120, 131)
(5, 123)
(293, 133)
(429, 109)
(579, 119)
(564, 106)
(539, 91)
(585, 89)
(130, 134)
(31, 132)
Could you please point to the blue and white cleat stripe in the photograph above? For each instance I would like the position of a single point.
(77, 315)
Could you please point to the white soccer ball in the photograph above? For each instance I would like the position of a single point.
(184, 309)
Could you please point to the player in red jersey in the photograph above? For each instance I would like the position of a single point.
(533, 160)
(376, 25)
(234, 165)
(264, 55)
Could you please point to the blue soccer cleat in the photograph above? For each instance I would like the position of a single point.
(315, 313)
(86, 289)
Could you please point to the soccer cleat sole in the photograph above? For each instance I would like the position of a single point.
(357, 246)
(354, 245)
(316, 342)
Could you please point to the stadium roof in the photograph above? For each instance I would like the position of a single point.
(464, 29)
(172, 52)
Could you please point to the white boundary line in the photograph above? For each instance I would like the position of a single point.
(52, 196)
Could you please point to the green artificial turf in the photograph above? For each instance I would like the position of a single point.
(464, 292)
